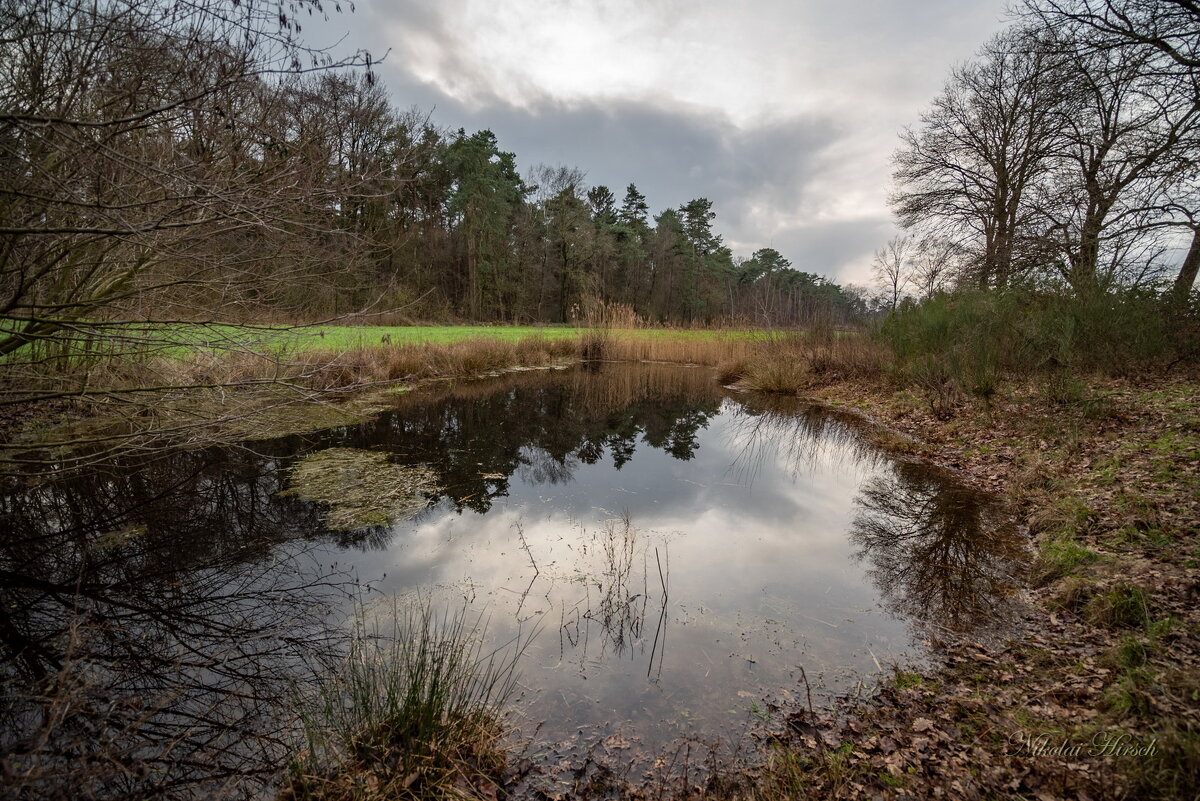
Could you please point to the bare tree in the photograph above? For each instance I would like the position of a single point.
(891, 269)
(935, 261)
(1163, 36)
(1167, 27)
(1117, 154)
(150, 171)
(965, 172)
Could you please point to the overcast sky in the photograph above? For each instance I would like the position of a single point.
(783, 113)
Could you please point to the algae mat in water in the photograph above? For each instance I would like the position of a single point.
(361, 488)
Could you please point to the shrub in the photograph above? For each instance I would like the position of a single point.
(1124, 606)
(731, 371)
(976, 337)
(786, 375)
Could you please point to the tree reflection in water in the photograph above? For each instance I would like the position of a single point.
(152, 617)
(156, 611)
(780, 431)
(942, 555)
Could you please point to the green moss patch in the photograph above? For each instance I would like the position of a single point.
(119, 537)
(361, 488)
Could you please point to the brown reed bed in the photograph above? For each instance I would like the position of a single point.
(211, 397)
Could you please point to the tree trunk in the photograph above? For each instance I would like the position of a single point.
(542, 285)
(472, 279)
(1083, 270)
(1191, 265)
(1003, 256)
(562, 284)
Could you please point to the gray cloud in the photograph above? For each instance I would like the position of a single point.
(674, 155)
(809, 183)
(838, 249)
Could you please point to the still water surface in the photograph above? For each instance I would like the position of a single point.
(683, 549)
(680, 549)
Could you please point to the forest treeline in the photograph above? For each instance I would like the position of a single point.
(1064, 157)
(161, 162)
(200, 162)
(459, 224)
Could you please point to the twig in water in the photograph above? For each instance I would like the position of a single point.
(812, 714)
(807, 691)
(662, 580)
(528, 551)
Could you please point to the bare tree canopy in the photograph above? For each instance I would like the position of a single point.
(1169, 27)
(148, 162)
(1067, 150)
(891, 268)
(967, 170)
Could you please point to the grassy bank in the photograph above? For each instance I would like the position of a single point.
(153, 369)
(184, 340)
(229, 395)
(1104, 664)
(350, 337)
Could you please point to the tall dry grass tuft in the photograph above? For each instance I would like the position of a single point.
(792, 363)
(730, 371)
(709, 352)
(600, 319)
(347, 370)
(774, 374)
(413, 711)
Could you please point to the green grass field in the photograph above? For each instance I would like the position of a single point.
(345, 337)
(181, 340)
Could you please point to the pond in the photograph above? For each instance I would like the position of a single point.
(684, 555)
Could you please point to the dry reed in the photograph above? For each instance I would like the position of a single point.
(774, 363)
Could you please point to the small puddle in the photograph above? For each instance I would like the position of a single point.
(683, 552)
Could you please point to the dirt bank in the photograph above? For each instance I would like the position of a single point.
(1097, 694)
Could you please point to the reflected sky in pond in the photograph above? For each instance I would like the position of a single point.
(682, 551)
